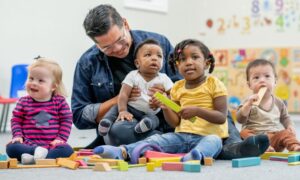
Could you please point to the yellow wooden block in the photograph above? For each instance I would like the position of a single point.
(67, 163)
(21, 166)
(294, 163)
(208, 161)
(102, 167)
(13, 163)
(73, 156)
(150, 167)
(123, 166)
(267, 155)
(45, 162)
(3, 164)
(158, 161)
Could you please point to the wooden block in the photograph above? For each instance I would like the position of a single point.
(150, 167)
(3, 157)
(172, 166)
(67, 163)
(45, 162)
(142, 160)
(294, 163)
(208, 161)
(20, 166)
(123, 166)
(102, 167)
(244, 162)
(73, 156)
(267, 155)
(111, 162)
(293, 158)
(81, 163)
(155, 154)
(169, 103)
(158, 161)
(278, 158)
(191, 167)
(3, 164)
(13, 163)
(261, 94)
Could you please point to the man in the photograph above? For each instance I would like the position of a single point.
(101, 69)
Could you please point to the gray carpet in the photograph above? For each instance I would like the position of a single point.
(221, 170)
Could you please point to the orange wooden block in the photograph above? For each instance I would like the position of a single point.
(3, 164)
(142, 160)
(67, 163)
(45, 162)
(13, 163)
(102, 167)
(111, 162)
(208, 161)
(172, 166)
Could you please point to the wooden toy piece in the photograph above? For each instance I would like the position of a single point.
(45, 162)
(123, 166)
(278, 158)
(244, 162)
(77, 148)
(73, 156)
(102, 167)
(191, 167)
(208, 161)
(172, 166)
(3, 157)
(67, 163)
(156, 154)
(169, 103)
(261, 94)
(293, 158)
(158, 161)
(111, 162)
(20, 166)
(150, 167)
(3, 164)
(13, 163)
(267, 155)
(294, 163)
(142, 160)
(81, 163)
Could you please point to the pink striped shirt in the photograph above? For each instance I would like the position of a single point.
(39, 123)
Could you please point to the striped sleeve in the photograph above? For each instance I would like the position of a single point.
(65, 120)
(17, 119)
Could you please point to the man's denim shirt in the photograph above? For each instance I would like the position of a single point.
(93, 81)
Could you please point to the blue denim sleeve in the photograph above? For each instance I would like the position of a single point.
(84, 111)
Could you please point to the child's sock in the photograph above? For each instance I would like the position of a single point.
(192, 155)
(254, 145)
(27, 159)
(40, 153)
(111, 152)
(143, 126)
(104, 127)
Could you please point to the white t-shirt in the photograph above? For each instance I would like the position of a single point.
(134, 78)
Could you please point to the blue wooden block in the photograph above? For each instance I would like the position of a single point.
(3, 157)
(244, 162)
(191, 167)
(293, 158)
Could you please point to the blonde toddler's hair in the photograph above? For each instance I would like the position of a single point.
(56, 71)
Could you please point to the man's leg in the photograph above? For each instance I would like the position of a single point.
(234, 147)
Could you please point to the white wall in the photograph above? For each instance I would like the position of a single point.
(53, 28)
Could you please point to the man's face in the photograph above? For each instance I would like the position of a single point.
(116, 42)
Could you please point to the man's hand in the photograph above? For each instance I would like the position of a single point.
(135, 93)
(125, 115)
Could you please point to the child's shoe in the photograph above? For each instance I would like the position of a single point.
(27, 159)
(40, 153)
(104, 127)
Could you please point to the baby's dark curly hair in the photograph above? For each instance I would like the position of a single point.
(174, 57)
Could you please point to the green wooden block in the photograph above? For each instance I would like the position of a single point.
(3, 157)
(123, 166)
(293, 158)
(169, 103)
(244, 162)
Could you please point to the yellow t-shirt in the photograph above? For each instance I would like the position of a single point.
(201, 96)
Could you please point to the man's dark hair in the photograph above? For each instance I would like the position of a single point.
(100, 19)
